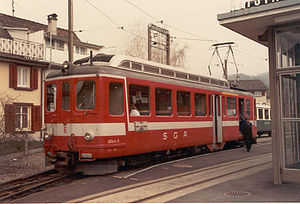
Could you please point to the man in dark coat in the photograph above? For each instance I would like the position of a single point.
(246, 129)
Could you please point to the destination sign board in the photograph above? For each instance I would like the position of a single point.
(253, 3)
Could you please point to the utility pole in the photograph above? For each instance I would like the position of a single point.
(13, 7)
(70, 33)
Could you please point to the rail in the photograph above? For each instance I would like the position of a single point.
(25, 48)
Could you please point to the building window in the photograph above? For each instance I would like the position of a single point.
(163, 101)
(22, 118)
(83, 50)
(23, 77)
(200, 104)
(257, 93)
(116, 104)
(60, 45)
(77, 49)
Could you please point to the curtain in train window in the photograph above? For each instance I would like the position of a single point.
(200, 104)
(139, 97)
(51, 97)
(183, 103)
(65, 98)
(116, 104)
(231, 106)
(163, 101)
(85, 95)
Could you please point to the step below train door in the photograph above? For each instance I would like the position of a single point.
(217, 119)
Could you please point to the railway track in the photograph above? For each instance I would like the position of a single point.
(168, 188)
(24, 186)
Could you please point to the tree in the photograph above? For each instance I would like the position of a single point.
(137, 45)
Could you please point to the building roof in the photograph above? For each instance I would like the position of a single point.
(15, 22)
(253, 22)
(251, 85)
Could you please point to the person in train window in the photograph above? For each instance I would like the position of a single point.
(133, 110)
(246, 129)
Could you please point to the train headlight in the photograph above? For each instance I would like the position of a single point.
(89, 136)
(47, 136)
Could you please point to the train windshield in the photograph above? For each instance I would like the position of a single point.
(85, 95)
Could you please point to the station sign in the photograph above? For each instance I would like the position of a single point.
(255, 3)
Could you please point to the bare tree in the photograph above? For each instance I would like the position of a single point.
(5, 98)
(137, 45)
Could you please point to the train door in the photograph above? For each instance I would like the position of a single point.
(217, 119)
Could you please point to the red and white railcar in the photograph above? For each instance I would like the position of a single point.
(88, 106)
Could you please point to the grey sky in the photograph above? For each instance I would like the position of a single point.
(197, 17)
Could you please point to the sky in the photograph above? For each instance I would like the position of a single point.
(193, 23)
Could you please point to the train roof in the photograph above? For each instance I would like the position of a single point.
(140, 68)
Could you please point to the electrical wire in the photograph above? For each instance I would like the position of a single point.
(106, 16)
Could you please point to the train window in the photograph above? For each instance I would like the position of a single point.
(267, 117)
(223, 106)
(200, 104)
(85, 95)
(65, 98)
(183, 103)
(209, 105)
(125, 64)
(163, 101)
(231, 106)
(139, 97)
(151, 69)
(181, 75)
(51, 97)
(260, 114)
(193, 77)
(116, 106)
(167, 72)
(136, 66)
(248, 112)
(204, 79)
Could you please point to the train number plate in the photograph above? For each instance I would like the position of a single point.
(140, 126)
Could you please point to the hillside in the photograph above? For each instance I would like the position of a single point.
(264, 77)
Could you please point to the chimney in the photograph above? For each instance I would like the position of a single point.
(52, 23)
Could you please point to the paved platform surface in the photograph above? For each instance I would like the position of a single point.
(255, 187)
(258, 187)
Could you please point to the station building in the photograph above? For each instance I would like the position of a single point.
(276, 24)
